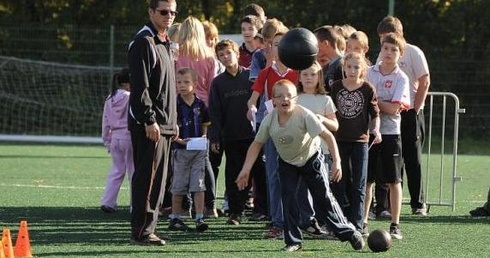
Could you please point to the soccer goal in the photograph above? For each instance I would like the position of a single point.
(51, 102)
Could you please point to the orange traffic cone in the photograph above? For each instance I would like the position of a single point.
(2, 254)
(23, 244)
(7, 244)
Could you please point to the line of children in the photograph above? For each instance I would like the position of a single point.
(300, 165)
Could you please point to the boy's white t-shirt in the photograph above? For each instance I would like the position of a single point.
(296, 142)
(321, 104)
(414, 64)
(393, 88)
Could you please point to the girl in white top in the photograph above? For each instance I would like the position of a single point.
(312, 95)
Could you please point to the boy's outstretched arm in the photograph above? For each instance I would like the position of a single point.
(252, 154)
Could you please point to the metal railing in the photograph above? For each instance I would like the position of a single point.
(431, 166)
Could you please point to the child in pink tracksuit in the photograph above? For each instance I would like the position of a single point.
(117, 139)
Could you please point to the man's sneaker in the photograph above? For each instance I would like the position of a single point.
(150, 239)
(201, 226)
(292, 248)
(258, 217)
(234, 219)
(274, 233)
(162, 236)
(395, 232)
(384, 215)
(356, 241)
(107, 209)
(314, 229)
(177, 225)
(422, 211)
(364, 231)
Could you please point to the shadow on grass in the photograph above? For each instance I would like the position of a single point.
(89, 226)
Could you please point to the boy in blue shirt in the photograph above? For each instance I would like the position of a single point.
(188, 165)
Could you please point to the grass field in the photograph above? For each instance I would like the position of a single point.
(58, 188)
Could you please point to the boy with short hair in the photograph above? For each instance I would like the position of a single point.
(329, 54)
(294, 130)
(230, 130)
(249, 25)
(392, 89)
(188, 165)
(262, 58)
(358, 42)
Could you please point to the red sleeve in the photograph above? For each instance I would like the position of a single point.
(260, 81)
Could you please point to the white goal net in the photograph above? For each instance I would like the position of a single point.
(51, 102)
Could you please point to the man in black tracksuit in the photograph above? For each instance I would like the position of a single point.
(152, 119)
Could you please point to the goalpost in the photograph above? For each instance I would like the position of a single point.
(51, 102)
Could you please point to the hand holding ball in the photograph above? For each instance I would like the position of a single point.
(298, 49)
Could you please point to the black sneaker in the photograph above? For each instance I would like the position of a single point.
(395, 231)
(150, 239)
(292, 248)
(234, 219)
(314, 229)
(258, 217)
(177, 225)
(422, 211)
(107, 209)
(201, 226)
(356, 241)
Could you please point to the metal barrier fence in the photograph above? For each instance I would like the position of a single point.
(436, 166)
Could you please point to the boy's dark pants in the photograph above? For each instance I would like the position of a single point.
(235, 152)
(412, 132)
(315, 176)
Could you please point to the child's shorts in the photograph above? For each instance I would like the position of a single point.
(385, 160)
(188, 171)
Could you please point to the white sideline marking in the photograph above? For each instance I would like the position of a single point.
(57, 186)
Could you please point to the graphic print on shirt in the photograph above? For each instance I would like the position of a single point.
(350, 103)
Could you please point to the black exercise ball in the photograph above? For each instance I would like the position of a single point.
(298, 49)
(379, 241)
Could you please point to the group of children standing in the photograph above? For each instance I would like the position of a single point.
(308, 142)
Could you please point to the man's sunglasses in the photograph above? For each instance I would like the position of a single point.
(167, 12)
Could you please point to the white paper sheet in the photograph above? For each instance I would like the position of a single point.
(269, 106)
(197, 143)
(254, 119)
